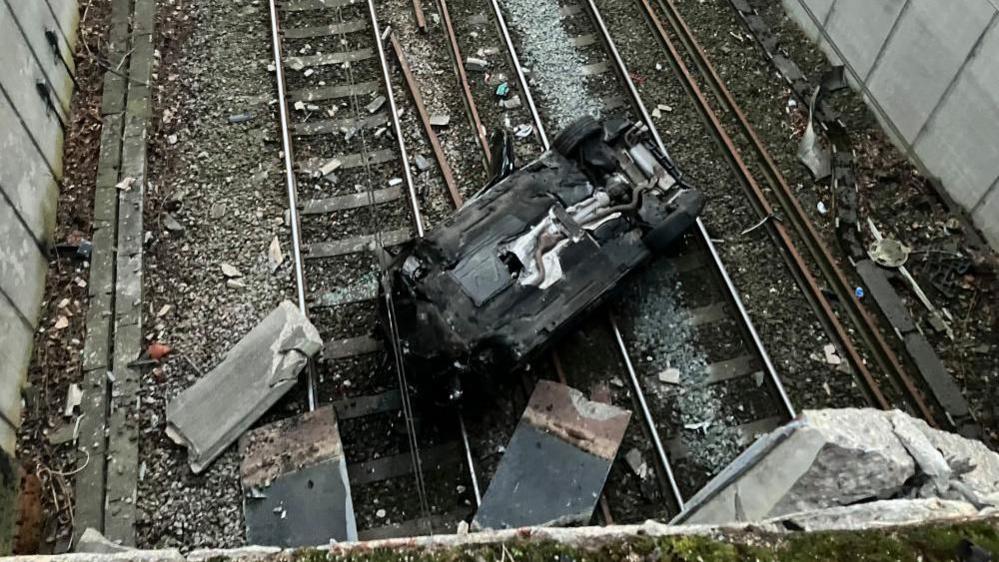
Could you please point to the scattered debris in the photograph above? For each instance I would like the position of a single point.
(513, 102)
(670, 375)
(440, 120)
(241, 117)
(274, 255)
(831, 356)
(503, 90)
(475, 64)
(74, 395)
(93, 542)
(216, 211)
(61, 323)
(65, 433)
(523, 131)
(329, 167)
(422, 163)
(821, 208)
(230, 271)
(888, 253)
(637, 463)
(556, 463)
(254, 374)
(235, 284)
(375, 104)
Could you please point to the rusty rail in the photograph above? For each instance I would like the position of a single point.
(473, 110)
(817, 250)
(421, 110)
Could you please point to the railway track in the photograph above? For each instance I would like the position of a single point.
(351, 196)
(696, 323)
(669, 28)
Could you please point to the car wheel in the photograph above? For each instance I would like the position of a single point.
(581, 129)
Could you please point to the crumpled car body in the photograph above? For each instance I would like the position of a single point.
(530, 255)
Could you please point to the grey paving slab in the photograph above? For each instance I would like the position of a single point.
(555, 465)
(255, 373)
(294, 479)
(924, 54)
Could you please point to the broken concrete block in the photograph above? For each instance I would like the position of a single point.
(556, 463)
(831, 458)
(256, 372)
(295, 486)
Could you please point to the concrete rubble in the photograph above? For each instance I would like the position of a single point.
(850, 468)
(256, 372)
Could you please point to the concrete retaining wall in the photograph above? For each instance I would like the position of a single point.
(35, 90)
(930, 71)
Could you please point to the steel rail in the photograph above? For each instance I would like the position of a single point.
(292, 187)
(733, 293)
(637, 391)
(396, 125)
(867, 330)
(508, 41)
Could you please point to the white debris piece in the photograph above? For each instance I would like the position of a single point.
(74, 395)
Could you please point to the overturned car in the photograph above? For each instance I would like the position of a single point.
(529, 255)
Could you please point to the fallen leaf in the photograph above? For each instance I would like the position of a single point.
(158, 350)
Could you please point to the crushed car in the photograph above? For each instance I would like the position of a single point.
(530, 255)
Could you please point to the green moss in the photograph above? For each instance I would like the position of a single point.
(928, 543)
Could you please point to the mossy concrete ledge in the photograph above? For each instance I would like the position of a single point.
(649, 542)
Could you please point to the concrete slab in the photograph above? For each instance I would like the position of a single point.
(958, 144)
(555, 465)
(255, 373)
(924, 54)
(859, 28)
(295, 486)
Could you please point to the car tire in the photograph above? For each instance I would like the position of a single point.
(570, 138)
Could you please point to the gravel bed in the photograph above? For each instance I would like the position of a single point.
(223, 182)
